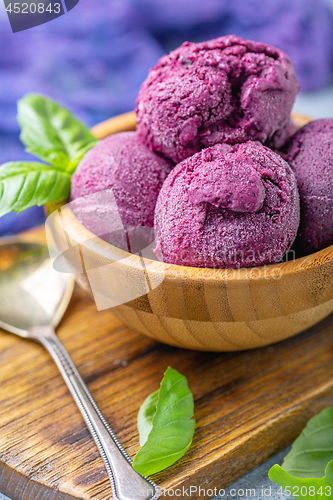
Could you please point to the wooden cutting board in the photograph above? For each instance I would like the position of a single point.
(248, 405)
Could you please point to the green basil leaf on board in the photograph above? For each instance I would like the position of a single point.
(165, 423)
(25, 184)
(51, 133)
(307, 470)
(145, 416)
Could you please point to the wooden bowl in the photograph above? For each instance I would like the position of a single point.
(194, 308)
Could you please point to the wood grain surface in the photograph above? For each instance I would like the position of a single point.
(248, 405)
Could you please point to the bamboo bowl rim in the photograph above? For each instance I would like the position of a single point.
(126, 122)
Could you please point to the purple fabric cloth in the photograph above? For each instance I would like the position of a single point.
(94, 58)
(301, 28)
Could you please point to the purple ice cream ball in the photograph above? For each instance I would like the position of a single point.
(228, 206)
(227, 90)
(118, 180)
(310, 155)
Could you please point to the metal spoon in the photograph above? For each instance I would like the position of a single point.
(33, 299)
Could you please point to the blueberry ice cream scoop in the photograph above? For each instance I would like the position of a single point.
(310, 154)
(116, 184)
(227, 90)
(227, 207)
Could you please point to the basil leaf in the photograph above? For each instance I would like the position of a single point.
(52, 133)
(145, 416)
(25, 184)
(305, 488)
(172, 425)
(310, 461)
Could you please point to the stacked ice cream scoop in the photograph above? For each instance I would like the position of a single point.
(220, 110)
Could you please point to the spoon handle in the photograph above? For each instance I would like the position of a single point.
(126, 483)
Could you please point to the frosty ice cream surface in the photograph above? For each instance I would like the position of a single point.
(225, 90)
(228, 206)
(231, 201)
(310, 155)
(133, 172)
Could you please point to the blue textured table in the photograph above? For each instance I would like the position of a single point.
(256, 485)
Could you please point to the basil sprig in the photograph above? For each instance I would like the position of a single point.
(165, 424)
(50, 132)
(24, 184)
(307, 470)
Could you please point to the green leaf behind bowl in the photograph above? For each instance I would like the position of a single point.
(50, 132)
(25, 184)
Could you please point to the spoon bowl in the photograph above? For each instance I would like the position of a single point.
(32, 292)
